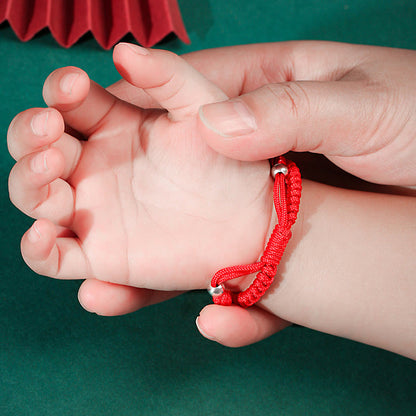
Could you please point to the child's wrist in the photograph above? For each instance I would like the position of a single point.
(263, 229)
(286, 198)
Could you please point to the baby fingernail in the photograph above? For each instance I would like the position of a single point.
(33, 235)
(228, 118)
(39, 163)
(39, 123)
(136, 48)
(68, 82)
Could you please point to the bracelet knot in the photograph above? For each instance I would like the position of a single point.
(286, 196)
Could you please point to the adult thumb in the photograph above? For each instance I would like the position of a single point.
(323, 117)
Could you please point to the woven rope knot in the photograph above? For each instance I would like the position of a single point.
(268, 271)
(226, 299)
(286, 197)
(276, 245)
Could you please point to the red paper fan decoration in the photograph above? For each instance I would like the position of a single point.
(149, 21)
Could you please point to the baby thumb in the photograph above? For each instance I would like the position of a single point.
(321, 117)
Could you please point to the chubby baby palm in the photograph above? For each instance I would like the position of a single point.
(143, 200)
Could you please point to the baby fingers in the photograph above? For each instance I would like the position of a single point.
(32, 130)
(36, 187)
(167, 78)
(48, 255)
(37, 129)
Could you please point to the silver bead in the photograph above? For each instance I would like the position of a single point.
(279, 168)
(216, 291)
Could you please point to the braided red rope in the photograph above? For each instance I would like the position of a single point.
(286, 196)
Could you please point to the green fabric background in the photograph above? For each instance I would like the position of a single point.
(57, 359)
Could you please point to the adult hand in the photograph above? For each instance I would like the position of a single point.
(352, 103)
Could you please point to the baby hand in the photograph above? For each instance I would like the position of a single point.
(142, 201)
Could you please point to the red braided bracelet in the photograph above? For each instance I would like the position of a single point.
(286, 197)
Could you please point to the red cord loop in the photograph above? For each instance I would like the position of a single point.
(286, 197)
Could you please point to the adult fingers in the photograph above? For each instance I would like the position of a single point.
(330, 117)
(234, 326)
(167, 78)
(109, 299)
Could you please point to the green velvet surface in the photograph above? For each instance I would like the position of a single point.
(57, 359)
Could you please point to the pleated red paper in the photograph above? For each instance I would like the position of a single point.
(149, 21)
